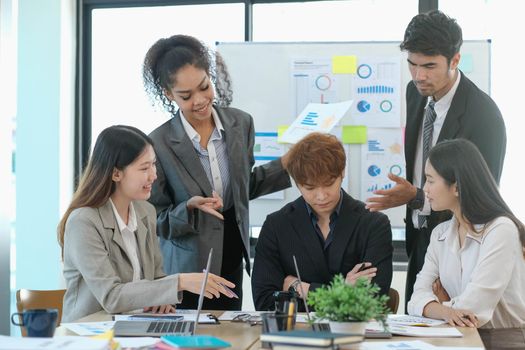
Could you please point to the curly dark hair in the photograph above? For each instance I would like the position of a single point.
(168, 55)
(433, 33)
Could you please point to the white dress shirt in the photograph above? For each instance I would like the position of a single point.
(129, 238)
(441, 108)
(485, 276)
(214, 158)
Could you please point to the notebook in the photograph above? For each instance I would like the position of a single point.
(310, 338)
(156, 328)
(195, 342)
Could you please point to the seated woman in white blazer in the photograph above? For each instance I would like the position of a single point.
(112, 259)
(474, 271)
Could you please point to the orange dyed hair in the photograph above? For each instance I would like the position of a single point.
(318, 159)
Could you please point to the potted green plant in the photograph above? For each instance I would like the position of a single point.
(348, 307)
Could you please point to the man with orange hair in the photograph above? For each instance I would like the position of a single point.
(328, 231)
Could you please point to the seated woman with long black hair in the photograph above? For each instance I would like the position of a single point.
(474, 271)
(112, 259)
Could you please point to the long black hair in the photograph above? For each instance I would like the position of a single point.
(116, 148)
(460, 162)
(168, 55)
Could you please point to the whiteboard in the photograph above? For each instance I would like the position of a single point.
(262, 86)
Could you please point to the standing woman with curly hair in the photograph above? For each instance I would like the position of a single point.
(205, 165)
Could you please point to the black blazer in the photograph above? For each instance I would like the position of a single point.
(359, 236)
(474, 116)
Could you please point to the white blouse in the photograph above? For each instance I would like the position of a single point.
(130, 239)
(485, 276)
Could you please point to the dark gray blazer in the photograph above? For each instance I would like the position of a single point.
(98, 272)
(186, 237)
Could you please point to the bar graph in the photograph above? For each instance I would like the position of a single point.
(375, 146)
(310, 119)
(376, 187)
(375, 89)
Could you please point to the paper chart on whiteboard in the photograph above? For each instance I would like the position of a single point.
(376, 92)
(381, 155)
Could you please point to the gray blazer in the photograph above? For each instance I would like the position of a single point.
(186, 237)
(98, 272)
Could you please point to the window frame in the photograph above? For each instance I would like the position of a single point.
(82, 122)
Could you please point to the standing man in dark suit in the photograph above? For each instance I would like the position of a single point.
(442, 103)
(328, 231)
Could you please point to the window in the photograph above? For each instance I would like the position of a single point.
(500, 21)
(118, 96)
(359, 20)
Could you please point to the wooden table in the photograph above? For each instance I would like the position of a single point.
(470, 339)
(242, 336)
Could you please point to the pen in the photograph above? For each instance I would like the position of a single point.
(363, 267)
(232, 293)
(291, 307)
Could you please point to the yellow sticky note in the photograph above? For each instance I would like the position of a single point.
(344, 64)
(354, 134)
(280, 131)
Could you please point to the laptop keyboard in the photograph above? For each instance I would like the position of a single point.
(321, 327)
(167, 327)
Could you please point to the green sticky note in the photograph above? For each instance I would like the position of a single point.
(280, 131)
(344, 64)
(354, 134)
(466, 63)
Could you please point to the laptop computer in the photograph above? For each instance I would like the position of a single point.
(316, 326)
(156, 328)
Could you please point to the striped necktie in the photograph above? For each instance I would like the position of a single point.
(428, 130)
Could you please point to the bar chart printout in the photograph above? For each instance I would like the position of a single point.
(320, 117)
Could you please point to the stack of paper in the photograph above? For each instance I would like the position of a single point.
(410, 345)
(56, 343)
(89, 328)
(422, 332)
(407, 320)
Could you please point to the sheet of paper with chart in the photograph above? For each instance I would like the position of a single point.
(315, 117)
(376, 92)
(313, 81)
(265, 149)
(381, 155)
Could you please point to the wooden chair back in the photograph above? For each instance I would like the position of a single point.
(393, 301)
(39, 299)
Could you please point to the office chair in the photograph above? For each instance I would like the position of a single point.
(39, 299)
(393, 301)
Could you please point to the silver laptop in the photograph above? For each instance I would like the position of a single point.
(158, 328)
(316, 326)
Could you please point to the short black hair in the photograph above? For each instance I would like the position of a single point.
(431, 34)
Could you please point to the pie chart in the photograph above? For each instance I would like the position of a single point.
(323, 82)
(374, 170)
(363, 106)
